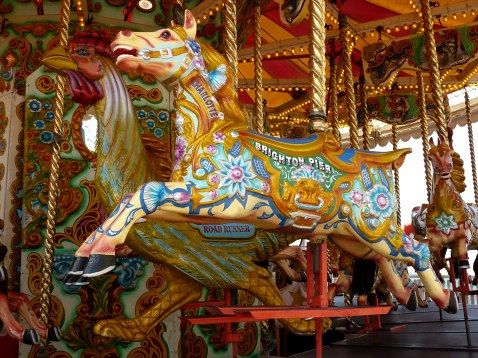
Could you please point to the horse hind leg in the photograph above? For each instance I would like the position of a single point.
(14, 328)
(181, 290)
(261, 286)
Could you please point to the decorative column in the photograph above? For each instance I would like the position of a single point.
(422, 109)
(53, 187)
(258, 104)
(317, 117)
(363, 104)
(334, 107)
(472, 146)
(435, 79)
(396, 176)
(230, 38)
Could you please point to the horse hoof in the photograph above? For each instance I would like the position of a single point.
(452, 304)
(54, 334)
(463, 264)
(78, 265)
(302, 276)
(74, 280)
(3, 273)
(31, 337)
(412, 303)
(99, 264)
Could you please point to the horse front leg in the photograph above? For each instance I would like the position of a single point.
(15, 329)
(158, 200)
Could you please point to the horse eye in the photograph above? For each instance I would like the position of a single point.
(82, 52)
(166, 35)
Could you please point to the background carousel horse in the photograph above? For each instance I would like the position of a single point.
(447, 221)
(222, 173)
(11, 301)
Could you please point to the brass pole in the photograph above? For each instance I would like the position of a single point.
(472, 146)
(350, 108)
(317, 116)
(53, 187)
(258, 105)
(396, 176)
(424, 131)
(365, 126)
(230, 38)
(435, 79)
(334, 106)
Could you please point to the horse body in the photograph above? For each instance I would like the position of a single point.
(223, 172)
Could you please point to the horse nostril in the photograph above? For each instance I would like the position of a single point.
(126, 33)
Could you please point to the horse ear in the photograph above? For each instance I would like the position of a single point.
(189, 24)
(173, 23)
(431, 142)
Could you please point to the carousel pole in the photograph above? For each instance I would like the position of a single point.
(424, 131)
(334, 106)
(317, 116)
(350, 108)
(435, 80)
(53, 187)
(230, 38)
(258, 104)
(363, 104)
(472, 146)
(396, 175)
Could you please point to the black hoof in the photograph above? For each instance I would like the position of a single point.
(54, 334)
(452, 304)
(99, 264)
(412, 303)
(78, 265)
(75, 280)
(463, 264)
(31, 336)
(3, 273)
(302, 276)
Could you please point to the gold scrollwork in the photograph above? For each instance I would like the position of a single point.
(45, 84)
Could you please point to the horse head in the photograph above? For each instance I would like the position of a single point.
(441, 157)
(168, 54)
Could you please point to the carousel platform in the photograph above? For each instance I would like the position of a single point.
(410, 334)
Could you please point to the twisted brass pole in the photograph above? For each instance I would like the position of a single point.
(230, 38)
(365, 126)
(424, 131)
(53, 187)
(334, 106)
(317, 117)
(472, 146)
(258, 105)
(350, 108)
(396, 176)
(435, 79)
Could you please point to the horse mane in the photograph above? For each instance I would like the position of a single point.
(227, 95)
(458, 173)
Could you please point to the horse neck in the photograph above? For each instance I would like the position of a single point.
(121, 164)
(444, 195)
(196, 105)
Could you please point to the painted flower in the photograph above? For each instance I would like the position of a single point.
(381, 201)
(446, 223)
(39, 124)
(211, 149)
(213, 194)
(152, 114)
(236, 175)
(46, 137)
(193, 46)
(407, 243)
(214, 179)
(163, 116)
(357, 197)
(265, 186)
(34, 105)
(150, 123)
(158, 132)
(141, 114)
(47, 106)
(199, 63)
(49, 115)
(219, 137)
(307, 172)
(179, 151)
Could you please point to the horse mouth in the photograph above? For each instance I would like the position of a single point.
(445, 176)
(124, 51)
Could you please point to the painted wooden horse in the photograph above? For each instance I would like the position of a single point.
(11, 301)
(223, 172)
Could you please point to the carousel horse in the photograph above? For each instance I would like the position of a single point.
(447, 221)
(224, 173)
(18, 302)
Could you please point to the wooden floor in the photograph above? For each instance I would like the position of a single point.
(422, 335)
